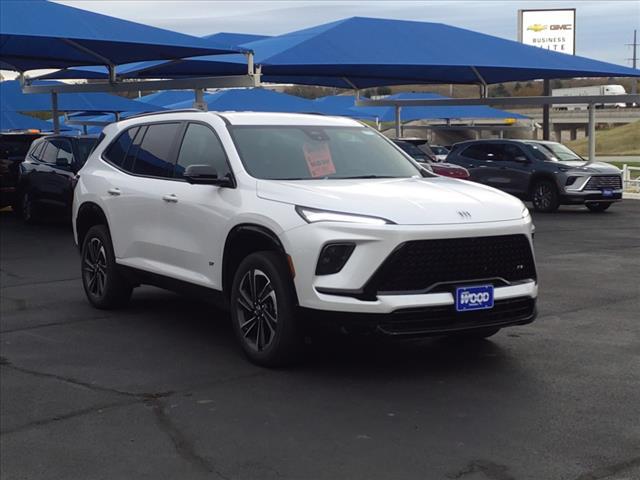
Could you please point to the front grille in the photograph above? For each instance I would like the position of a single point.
(426, 265)
(604, 181)
(443, 319)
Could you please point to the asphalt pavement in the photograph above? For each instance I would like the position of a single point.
(160, 390)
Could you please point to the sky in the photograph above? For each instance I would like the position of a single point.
(603, 27)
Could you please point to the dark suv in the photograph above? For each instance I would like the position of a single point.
(547, 173)
(13, 148)
(47, 175)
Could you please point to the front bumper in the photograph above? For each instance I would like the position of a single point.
(419, 322)
(374, 244)
(586, 188)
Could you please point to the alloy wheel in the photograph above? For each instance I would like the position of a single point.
(94, 267)
(257, 310)
(542, 197)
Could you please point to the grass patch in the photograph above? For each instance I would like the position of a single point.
(622, 140)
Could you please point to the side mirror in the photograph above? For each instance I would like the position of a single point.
(63, 162)
(521, 159)
(205, 175)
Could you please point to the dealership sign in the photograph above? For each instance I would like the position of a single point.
(551, 29)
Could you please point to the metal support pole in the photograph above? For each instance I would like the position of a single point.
(112, 73)
(398, 123)
(546, 122)
(117, 116)
(200, 103)
(54, 111)
(592, 132)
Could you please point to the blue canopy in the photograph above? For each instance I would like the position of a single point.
(367, 51)
(17, 121)
(344, 105)
(12, 99)
(253, 99)
(139, 69)
(41, 34)
(232, 38)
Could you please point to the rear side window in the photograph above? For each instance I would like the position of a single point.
(117, 152)
(37, 150)
(477, 152)
(50, 153)
(201, 146)
(155, 155)
(65, 151)
(85, 147)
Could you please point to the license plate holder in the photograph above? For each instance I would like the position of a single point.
(474, 297)
(607, 192)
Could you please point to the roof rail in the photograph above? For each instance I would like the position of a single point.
(161, 112)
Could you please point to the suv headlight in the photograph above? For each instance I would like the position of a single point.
(525, 211)
(313, 215)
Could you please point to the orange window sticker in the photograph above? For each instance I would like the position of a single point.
(318, 157)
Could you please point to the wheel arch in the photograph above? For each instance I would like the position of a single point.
(242, 240)
(538, 176)
(89, 214)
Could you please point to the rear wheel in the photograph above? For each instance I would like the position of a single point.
(263, 310)
(545, 197)
(104, 285)
(598, 206)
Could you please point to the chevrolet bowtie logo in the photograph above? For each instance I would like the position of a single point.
(537, 27)
(464, 214)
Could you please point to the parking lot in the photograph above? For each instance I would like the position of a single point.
(160, 389)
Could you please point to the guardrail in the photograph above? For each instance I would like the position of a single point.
(630, 184)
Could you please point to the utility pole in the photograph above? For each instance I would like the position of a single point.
(634, 60)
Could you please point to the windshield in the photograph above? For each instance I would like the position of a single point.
(560, 152)
(310, 152)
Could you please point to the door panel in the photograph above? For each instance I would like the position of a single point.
(196, 216)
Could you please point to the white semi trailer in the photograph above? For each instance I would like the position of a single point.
(594, 90)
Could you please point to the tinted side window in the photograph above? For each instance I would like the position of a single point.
(494, 151)
(154, 155)
(36, 150)
(512, 151)
(201, 146)
(50, 153)
(476, 152)
(64, 149)
(118, 149)
(538, 152)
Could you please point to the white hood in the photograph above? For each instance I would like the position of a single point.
(405, 201)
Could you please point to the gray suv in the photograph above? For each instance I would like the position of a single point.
(547, 173)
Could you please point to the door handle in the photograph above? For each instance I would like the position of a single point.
(114, 191)
(171, 198)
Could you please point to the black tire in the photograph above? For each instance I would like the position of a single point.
(262, 290)
(545, 197)
(598, 206)
(104, 285)
(476, 334)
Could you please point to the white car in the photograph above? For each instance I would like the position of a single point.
(290, 220)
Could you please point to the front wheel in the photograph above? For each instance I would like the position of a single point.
(598, 206)
(263, 310)
(545, 197)
(104, 285)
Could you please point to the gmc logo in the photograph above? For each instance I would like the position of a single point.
(565, 26)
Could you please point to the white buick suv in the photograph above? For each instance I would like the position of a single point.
(292, 220)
